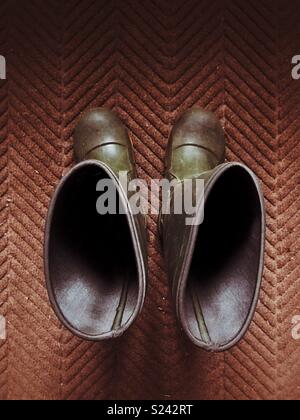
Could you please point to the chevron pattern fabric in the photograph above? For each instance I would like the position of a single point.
(149, 60)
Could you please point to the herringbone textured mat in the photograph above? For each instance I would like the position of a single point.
(149, 60)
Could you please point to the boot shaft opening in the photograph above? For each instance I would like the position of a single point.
(224, 276)
(92, 269)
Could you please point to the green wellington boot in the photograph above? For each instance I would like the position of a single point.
(96, 264)
(216, 268)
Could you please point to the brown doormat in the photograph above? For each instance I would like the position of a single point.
(149, 60)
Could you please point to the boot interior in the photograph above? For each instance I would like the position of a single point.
(224, 272)
(92, 263)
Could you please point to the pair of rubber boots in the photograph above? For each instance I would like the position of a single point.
(96, 264)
